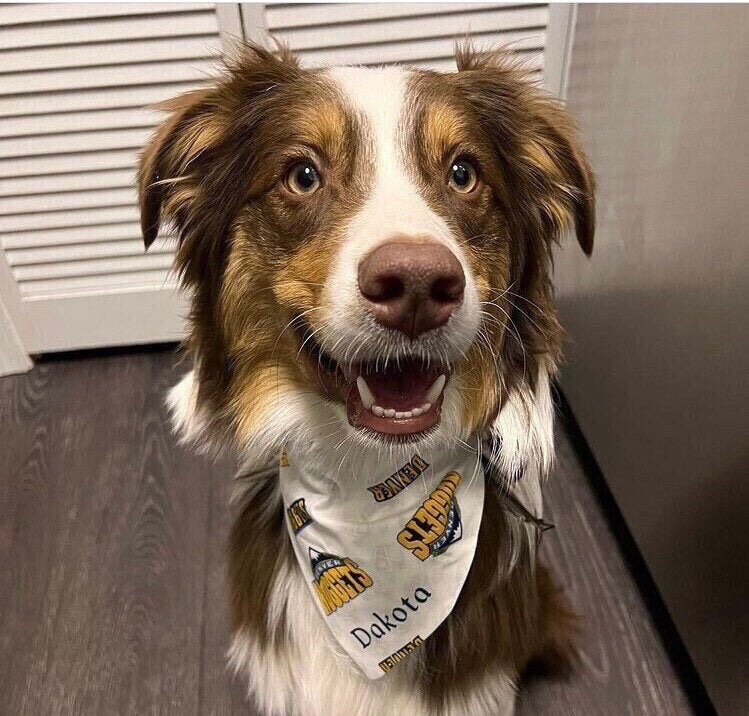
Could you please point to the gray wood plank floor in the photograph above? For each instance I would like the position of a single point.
(112, 590)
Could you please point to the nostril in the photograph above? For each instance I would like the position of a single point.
(381, 288)
(447, 289)
(391, 287)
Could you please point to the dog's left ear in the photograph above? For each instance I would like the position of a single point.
(540, 154)
(554, 151)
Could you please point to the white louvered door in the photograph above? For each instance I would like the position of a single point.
(75, 85)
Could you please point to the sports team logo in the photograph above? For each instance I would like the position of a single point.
(436, 524)
(399, 480)
(337, 580)
(298, 516)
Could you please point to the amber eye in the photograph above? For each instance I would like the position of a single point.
(302, 178)
(462, 176)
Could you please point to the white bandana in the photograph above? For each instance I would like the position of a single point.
(386, 555)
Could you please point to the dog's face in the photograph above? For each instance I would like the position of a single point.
(377, 238)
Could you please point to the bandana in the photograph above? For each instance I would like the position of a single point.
(385, 555)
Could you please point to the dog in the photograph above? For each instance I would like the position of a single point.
(368, 255)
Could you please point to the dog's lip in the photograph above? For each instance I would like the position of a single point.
(395, 392)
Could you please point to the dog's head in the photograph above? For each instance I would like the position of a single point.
(366, 248)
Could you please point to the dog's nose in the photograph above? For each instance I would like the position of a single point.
(411, 285)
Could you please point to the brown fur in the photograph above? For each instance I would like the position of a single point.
(502, 621)
(253, 563)
(257, 259)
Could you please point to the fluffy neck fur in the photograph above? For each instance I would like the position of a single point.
(525, 425)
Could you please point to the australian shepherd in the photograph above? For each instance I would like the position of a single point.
(368, 256)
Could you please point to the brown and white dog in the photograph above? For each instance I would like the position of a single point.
(368, 251)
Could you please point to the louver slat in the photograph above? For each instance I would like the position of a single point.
(82, 252)
(92, 99)
(53, 12)
(412, 34)
(67, 200)
(159, 278)
(79, 78)
(65, 163)
(60, 122)
(285, 15)
(415, 51)
(58, 33)
(75, 217)
(110, 53)
(450, 26)
(72, 143)
(70, 235)
(34, 185)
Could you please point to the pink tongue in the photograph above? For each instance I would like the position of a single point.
(403, 387)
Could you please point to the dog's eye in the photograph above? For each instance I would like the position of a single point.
(462, 176)
(302, 178)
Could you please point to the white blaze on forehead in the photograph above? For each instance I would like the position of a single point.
(378, 96)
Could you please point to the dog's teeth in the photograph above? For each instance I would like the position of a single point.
(378, 411)
(434, 392)
(425, 407)
(367, 398)
(417, 411)
(390, 413)
(404, 414)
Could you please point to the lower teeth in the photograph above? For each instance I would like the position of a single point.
(367, 399)
(398, 414)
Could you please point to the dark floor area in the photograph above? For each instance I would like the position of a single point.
(112, 592)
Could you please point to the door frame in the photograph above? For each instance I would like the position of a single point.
(560, 35)
(14, 357)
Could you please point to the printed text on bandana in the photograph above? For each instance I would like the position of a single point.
(402, 653)
(389, 621)
(399, 480)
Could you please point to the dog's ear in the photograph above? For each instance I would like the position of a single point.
(536, 140)
(191, 151)
(169, 157)
(563, 172)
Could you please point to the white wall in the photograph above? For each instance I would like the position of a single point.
(659, 317)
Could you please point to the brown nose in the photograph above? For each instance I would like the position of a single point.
(411, 286)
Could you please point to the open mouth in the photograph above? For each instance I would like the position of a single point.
(400, 400)
(404, 399)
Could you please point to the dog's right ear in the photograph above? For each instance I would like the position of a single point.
(171, 155)
(184, 151)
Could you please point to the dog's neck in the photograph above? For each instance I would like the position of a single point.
(524, 426)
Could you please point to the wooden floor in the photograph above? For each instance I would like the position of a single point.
(112, 592)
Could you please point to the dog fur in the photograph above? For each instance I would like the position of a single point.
(270, 271)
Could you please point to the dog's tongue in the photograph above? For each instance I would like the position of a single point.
(401, 388)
